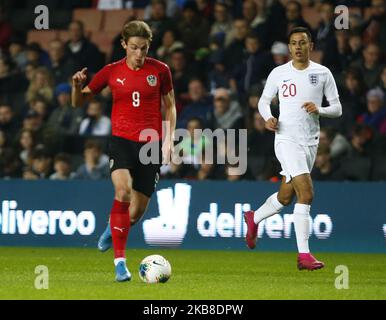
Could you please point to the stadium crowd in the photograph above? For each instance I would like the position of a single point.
(220, 53)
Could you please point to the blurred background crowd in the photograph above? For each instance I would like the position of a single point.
(219, 52)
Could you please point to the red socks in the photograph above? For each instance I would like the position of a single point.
(120, 226)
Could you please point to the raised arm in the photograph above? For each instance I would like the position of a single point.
(80, 95)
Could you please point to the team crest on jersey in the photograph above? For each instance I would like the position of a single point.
(314, 79)
(152, 80)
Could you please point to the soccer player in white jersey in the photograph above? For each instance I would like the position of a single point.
(300, 85)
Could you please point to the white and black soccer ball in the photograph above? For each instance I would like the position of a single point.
(155, 269)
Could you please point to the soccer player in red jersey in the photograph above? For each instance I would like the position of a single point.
(138, 86)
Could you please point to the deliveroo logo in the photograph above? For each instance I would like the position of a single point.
(169, 229)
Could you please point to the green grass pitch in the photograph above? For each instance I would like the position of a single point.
(217, 275)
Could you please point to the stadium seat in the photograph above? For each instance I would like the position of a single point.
(311, 16)
(115, 19)
(104, 41)
(42, 37)
(92, 18)
(316, 56)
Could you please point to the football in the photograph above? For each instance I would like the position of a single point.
(155, 269)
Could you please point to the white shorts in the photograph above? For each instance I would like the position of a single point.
(294, 158)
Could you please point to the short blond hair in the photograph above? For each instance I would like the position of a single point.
(136, 29)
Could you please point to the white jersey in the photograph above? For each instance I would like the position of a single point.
(295, 87)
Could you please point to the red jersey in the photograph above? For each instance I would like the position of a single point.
(136, 96)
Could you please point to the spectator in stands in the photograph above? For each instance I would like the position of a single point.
(253, 97)
(36, 55)
(376, 29)
(40, 106)
(205, 9)
(29, 71)
(193, 28)
(27, 144)
(191, 149)
(10, 165)
(353, 93)
(218, 77)
(65, 119)
(356, 47)
(158, 23)
(61, 66)
(254, 13)
(252, 68)
(293, 11)
(361, 140)
(260, 149)
(11, 81)
(369, 65)
(337, 143)
(42, 85)
(325, 33)
(342, 55)
(94, 167)
(376, 111)
(181, 74)
(62, 167)
(235, 50)
(95, 123)
(357, 165)
(17, 52)
(200, 105)
(172, 9)
(45, 134)
(169, 45)
(227, 111)
(41, 164)
(8, 122)
(382, 81)
(325, 168)
(353, 100)
(280, 54)
(83, 52)
(251, 14)
(222, 26)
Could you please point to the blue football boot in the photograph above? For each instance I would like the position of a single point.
(121, 272)
(105, 240)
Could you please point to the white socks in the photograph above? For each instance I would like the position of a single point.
(301, 218)
(270, 207)
(117, 260)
